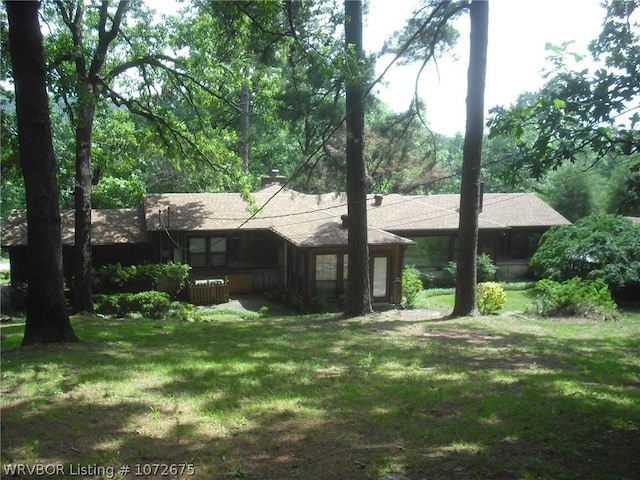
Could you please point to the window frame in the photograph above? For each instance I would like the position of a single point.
(215, 247)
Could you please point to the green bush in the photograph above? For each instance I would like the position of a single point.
(491, 297)
(485, 267)
(166, 277)
(185, 312)
(411, 284)
(574, 297)
(150, 304)
(597, 247)
(318, 304)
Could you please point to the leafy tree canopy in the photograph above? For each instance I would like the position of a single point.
(580, 114)
(597, 247)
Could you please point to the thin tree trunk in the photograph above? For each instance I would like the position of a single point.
(47, 315)
(82, 292)
(243, 142)
(466, 298)
(358, 290)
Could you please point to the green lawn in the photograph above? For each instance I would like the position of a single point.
(319, 397)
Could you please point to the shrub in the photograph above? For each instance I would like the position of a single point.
(185, 312)
(411, 284)
(107, 304)
(165, 277)
(485, 267)
(172, 278)
(150, 304)
(597, 247)
(574, 297)
(491, 297)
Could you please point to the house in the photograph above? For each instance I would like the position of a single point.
(510, 226)
(295, 244)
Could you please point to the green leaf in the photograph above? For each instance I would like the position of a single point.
(559, 103)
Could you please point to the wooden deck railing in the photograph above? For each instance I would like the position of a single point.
(208, 292)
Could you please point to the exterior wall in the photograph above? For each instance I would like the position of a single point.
(510, 250)
(386, 285)
(513, 271)
(252, 261)
(296, 271)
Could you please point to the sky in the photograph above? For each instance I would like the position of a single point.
(518, 32)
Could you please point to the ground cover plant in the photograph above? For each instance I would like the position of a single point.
(269, 396)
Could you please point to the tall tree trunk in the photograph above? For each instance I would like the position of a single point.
(466, 299)
(358, 288)
(82, 292)
(47, 315)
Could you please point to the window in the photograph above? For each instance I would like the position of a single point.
(429, 252)
(217, 251)
(379, 276)
(178, 254)
(326, 276)
(198, 252)
(524, 244)
(207, 251)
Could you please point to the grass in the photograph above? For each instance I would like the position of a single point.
(442, 299)
(317, 397)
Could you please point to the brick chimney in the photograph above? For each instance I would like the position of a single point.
(273, 179)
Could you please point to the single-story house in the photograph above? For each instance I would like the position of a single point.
(510, 226)
(295, 244)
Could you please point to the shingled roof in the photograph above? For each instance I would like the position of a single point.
(402, 213)
(284, 209)
(108, 227)
(303, 219)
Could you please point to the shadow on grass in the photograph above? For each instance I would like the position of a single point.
(321, 398)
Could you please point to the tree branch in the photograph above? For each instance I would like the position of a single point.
(137, 107)
(155, 61)
(105, 37)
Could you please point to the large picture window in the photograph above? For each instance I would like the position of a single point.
(207, 252)
(524, 244)
(429, 252)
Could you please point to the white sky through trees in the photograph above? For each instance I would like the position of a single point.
(518, 32)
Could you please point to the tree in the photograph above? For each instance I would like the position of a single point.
(88, 88)
(400, 153)
(47, 316)
(358, 290)
(580, 115)
(570, 190)
(93, 50)
(466, 298)
(622, 197)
